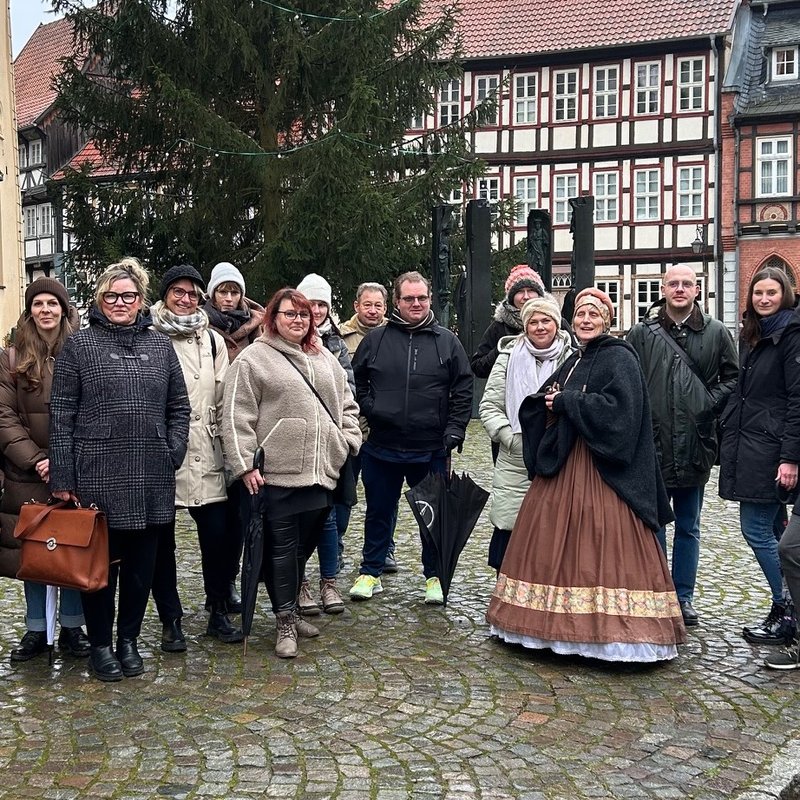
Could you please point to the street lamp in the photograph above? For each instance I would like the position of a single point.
(699, 243)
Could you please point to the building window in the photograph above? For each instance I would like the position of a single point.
(774, 166)
(566, 95)
(526, 192)
(417, 121)
(784, 63)
(690, 192)
(486, 86)
(611, 288)
(648, 194)
(525, 89)
(23, 156)
(449, 102)
(647, 292)
(606, 84)
(456, 199)
(35, 153)
(30, 222)
(691, 84)
(648, 88)
(606, 194)
(46, 219)
(489, 189)
(565, 186)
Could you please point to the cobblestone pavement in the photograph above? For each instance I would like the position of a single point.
(399, 700)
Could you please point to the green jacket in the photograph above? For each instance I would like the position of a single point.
(684, 410)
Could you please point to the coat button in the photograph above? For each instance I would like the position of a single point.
(197, 416)
(197, 377)
(197, 458)
(197, 502)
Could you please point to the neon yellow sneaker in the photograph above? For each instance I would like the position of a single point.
(364, 587)
(433, 592)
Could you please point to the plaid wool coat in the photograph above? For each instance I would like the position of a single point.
(119, 421)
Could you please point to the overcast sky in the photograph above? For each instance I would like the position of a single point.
(25, 17)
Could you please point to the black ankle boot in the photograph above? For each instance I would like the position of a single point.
(770, 631)
(221, 627)
(129, 658)
(234, 600)
(33, 643)
(104, 664)
(172, 638)
(74, 641)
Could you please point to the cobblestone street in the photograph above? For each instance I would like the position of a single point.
(399, 700)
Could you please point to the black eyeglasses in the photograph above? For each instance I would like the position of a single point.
(411, 299)
(179, 294)
(110, 298)
(291, 314)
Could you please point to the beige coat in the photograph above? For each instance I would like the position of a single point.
(200, 480)
(268, 404)
(352, 333)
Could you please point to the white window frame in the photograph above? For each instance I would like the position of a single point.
(606, 196)
(23, 156)
(606, 100)
(565, 186)
(690, 192)
(774, 166)
(612, 288)
(45, 221)
(456, 199)
(488, 189)
(35, 152)
(526, 98)
(30, 222)
(647, 97)
(648, 291)
(417, 121)
(692, 86)
(784, 64)
(566, 88)
(486, 86)
(526, 193)
(449, 101)
(647, 194)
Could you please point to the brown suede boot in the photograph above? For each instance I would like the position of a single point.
(286, 635)
(329, 595)
(305, 630)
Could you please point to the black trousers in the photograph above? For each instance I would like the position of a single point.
(132, 555)
(288, 543)
(237, 511)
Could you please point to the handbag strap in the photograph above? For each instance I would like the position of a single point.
(34, 523)
(311, 386)
(658, 329)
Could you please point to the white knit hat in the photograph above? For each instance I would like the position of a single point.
(543, 305)
(315, 287)
(225, 272)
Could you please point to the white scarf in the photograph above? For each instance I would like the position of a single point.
(173, 325)
(528, 368)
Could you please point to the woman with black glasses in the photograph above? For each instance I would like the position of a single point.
(119, 428)
(306, 434)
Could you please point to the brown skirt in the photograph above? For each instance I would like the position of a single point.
(582, 574)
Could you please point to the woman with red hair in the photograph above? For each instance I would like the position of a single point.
(306, 435)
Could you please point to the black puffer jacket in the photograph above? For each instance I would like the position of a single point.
(761, 423)
(414, 388)
(506, 322)
(684, 410)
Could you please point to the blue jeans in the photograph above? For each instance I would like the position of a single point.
(383, 482)
(687, 503)
(70, 608)
(762, 527)
(328, 547)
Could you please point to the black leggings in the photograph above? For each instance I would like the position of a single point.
(288, 543)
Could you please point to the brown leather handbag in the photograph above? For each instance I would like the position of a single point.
(63, 545)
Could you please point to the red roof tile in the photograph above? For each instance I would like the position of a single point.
(520, 27)
(89, 154)
(37, 65)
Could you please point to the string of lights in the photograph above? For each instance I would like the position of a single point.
(298, 14)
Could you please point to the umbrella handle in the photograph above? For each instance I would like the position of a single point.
(258, 460)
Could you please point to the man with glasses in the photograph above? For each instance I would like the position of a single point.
(414, 386)
(691, 367)
(370, 308)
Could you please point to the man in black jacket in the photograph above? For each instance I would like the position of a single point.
(414, 386)
(687, 392)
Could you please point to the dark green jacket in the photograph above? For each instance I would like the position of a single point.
(684, 410)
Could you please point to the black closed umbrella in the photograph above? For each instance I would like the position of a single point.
(253, 552)
(447, 510)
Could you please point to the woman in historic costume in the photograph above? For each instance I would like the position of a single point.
(584, 573)
(523, 365)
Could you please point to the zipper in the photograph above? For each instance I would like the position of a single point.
(408, 380)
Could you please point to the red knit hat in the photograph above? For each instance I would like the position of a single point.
(597, 294)
(523, 277)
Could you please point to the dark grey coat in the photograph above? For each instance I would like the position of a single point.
(119, 421)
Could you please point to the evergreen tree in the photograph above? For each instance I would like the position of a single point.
(244, 130)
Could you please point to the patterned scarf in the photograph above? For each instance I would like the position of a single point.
(396, 319)
(173, 325)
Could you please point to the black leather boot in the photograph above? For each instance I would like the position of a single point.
(172, 638)
(104, 664)
(33, 643)
(770, 631)
(129, 658)
(74, 641)
(220, 626)
(234, 601)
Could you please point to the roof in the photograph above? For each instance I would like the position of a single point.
(37, 65)
(89, 154)
(522, 27)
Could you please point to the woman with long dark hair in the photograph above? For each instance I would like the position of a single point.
(760, 447)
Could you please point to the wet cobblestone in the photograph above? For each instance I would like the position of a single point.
(401, 701)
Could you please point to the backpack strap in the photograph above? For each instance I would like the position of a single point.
(12, 363)
(213, 345)
(658, 330)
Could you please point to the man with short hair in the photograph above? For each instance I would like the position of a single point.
(691, 367)
(414, 386)
(370, 307)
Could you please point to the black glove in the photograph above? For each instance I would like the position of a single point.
(452, 442)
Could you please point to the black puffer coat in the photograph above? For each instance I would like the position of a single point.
(761, 424)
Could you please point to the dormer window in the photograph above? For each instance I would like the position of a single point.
(784, 64)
